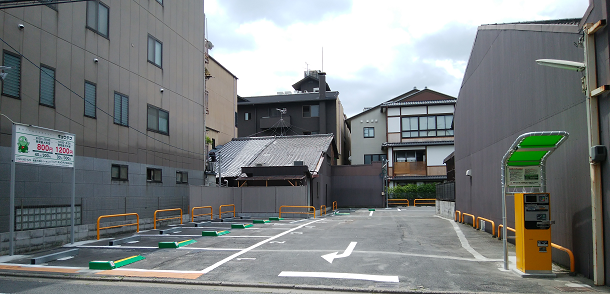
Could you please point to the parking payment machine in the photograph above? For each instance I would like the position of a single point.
(533, 237)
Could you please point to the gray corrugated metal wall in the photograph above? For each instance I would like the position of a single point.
(505, 94)
(357, 185)
(265, 200)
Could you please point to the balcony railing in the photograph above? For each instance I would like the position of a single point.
(417, 168)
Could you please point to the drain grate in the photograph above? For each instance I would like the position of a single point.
(575, 289)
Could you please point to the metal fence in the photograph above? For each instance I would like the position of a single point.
(445, 191)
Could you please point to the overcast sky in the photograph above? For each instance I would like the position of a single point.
(373, 50)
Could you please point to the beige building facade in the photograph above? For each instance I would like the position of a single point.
(221, 90)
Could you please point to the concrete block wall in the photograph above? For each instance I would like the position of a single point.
(445, 209)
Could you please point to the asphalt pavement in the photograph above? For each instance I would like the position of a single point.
(396, 250)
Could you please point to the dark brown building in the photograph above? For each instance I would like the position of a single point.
(311, 109)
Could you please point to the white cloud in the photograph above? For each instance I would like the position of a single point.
(373, 51)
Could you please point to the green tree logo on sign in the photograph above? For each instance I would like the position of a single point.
(23, 144)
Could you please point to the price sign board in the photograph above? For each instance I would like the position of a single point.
(528, 176)
(42, 146)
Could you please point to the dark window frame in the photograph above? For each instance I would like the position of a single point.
(151, 175)
(119, 178)
(154, 51)
(309, 112)
(120, 119)
(94, 99)
(182, 179)
(43, 74)
(97, 20)
(158, 110)
(381, 158)
(418, 132)
(367, 134)
(12, 71)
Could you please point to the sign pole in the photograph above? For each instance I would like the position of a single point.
(11, 206)
(72, 203)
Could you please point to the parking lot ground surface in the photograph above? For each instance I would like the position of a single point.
(400, 249)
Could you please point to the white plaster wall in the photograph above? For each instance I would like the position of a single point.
(434, 109)
(436, 154)
(394, 125)
(394, 111)
(413, 110)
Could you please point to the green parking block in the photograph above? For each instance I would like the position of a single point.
(101, 265)
(260, 221)
(371, 209)
(276, 218)
(240, 226)
(176, 244)
(214, 233)
(110, 265)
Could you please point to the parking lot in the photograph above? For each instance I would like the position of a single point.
(398, 249)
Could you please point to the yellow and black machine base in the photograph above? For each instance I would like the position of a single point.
(533, 234)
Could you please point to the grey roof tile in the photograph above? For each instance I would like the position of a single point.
(272, 151)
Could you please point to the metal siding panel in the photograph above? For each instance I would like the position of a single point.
(505, 94)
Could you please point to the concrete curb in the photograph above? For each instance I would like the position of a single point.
(223, 284)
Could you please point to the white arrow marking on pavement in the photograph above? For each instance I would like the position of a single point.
(371, 213)
(331, 256)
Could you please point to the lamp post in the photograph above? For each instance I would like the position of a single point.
(592, 92)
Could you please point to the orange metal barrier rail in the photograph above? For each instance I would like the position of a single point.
(427, 201)
(193, 215)
(507, 228)
(493, 225)
(137, 223)
(458, 214)
(155, 220)
(299, 212)
(398, 201)
(334, 205)
(569, 253)
(321, 209)
(470, 215)
(220, 212)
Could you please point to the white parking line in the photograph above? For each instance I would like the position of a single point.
(464, 241)
(376, 278)
(371, 213)
(212, 267)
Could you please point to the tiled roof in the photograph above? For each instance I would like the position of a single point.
(411, 103)
(272, 151)
(296, 97)
(420, 143)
